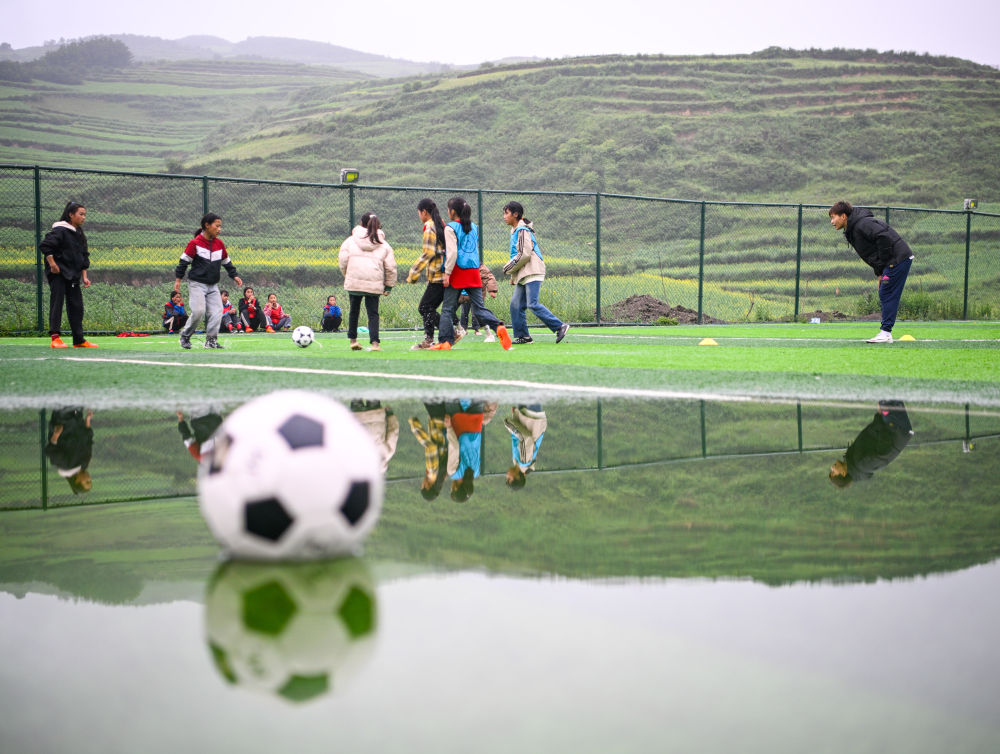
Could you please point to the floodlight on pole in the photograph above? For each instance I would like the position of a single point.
(350, 175)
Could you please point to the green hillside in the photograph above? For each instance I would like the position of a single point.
(149, 116)
(782, 125)
(881, 128)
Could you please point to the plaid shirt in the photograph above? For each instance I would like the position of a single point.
(433, 440)
(431, 258)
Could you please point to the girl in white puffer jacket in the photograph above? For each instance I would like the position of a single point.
(369, 269)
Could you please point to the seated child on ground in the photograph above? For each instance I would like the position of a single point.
(272, 310)
(174, 314)
(230, 317)
(332, 315)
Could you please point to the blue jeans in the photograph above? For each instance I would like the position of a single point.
(446, 330)
(525, 297)
(890, 290)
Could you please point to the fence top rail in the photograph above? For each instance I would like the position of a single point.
(518, 192)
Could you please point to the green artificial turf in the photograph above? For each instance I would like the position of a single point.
(954, 362)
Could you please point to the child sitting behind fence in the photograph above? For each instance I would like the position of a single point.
(175, 316)
(333, 316)
(230, 317)
(272, 310)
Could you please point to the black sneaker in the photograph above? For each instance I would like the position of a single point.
(562, 333)
(523, 341)
(185, 341)
(212, 343)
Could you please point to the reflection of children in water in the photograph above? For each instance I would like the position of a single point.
(527, 426)
(196, 436)
(875, 447)
(71, 443)
(435, 447)
(465, 420)
(381, 424)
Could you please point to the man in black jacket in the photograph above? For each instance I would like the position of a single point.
(884, 251)
(67, 259)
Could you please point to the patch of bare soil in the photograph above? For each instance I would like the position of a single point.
(648, 310)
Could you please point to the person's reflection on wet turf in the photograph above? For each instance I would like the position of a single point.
(465, 420)
(527, 425)
(875, 447)
(382, 425)
(197, 435)
(71, 445)
(435, 445)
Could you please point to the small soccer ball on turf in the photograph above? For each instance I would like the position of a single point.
(297, 631)
(291, 475)
(302, 336)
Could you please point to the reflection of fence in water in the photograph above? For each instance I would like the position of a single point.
(142, 456)
(730, 261)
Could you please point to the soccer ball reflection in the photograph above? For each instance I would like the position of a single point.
(291, 476)
(298, 631)
(302, 336)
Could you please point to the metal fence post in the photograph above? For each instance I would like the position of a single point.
(43, 441)
(479, 216)
(600, 434)
(701, 262)
(350, 207)
(968, 239)
(39, 262)
(704, 429)
(597, 251)
(798, 418)
(798, 265)
(204, 194)
(886, 215)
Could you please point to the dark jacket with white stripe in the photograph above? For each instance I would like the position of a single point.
(205, 258)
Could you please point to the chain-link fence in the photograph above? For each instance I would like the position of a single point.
(610, 258)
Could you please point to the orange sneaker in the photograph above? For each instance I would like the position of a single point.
(269, 329)
(85, 344)
(504, 337)
(443, 346)
(57, 342)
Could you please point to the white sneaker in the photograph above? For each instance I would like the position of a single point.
(490, 337)
(882, 337)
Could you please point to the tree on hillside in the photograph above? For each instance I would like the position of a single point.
(86, 54)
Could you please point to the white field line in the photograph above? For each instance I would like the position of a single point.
(464, 381)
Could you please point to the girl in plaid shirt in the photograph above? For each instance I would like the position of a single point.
(432, 260)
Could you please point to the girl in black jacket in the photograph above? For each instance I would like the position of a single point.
(64, 249)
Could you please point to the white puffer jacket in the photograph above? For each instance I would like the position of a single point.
(367, 267)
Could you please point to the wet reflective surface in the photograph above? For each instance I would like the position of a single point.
(584, 576)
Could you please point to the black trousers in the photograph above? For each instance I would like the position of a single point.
(332, 323)
(66, 291)
(371, 308)
(428, 308)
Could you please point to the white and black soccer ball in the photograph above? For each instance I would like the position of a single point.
(292, 475)
(297, 631)
(303, 336)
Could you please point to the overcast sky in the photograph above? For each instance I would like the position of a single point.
(540, 28)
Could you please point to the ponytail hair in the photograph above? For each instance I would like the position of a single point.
(460, 207)
(428, 205)
(517, 210)
(369, 220)
(207, 219)
(70, 209)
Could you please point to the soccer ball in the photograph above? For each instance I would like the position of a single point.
(297, 631)
(302, 336)
(291, 475)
